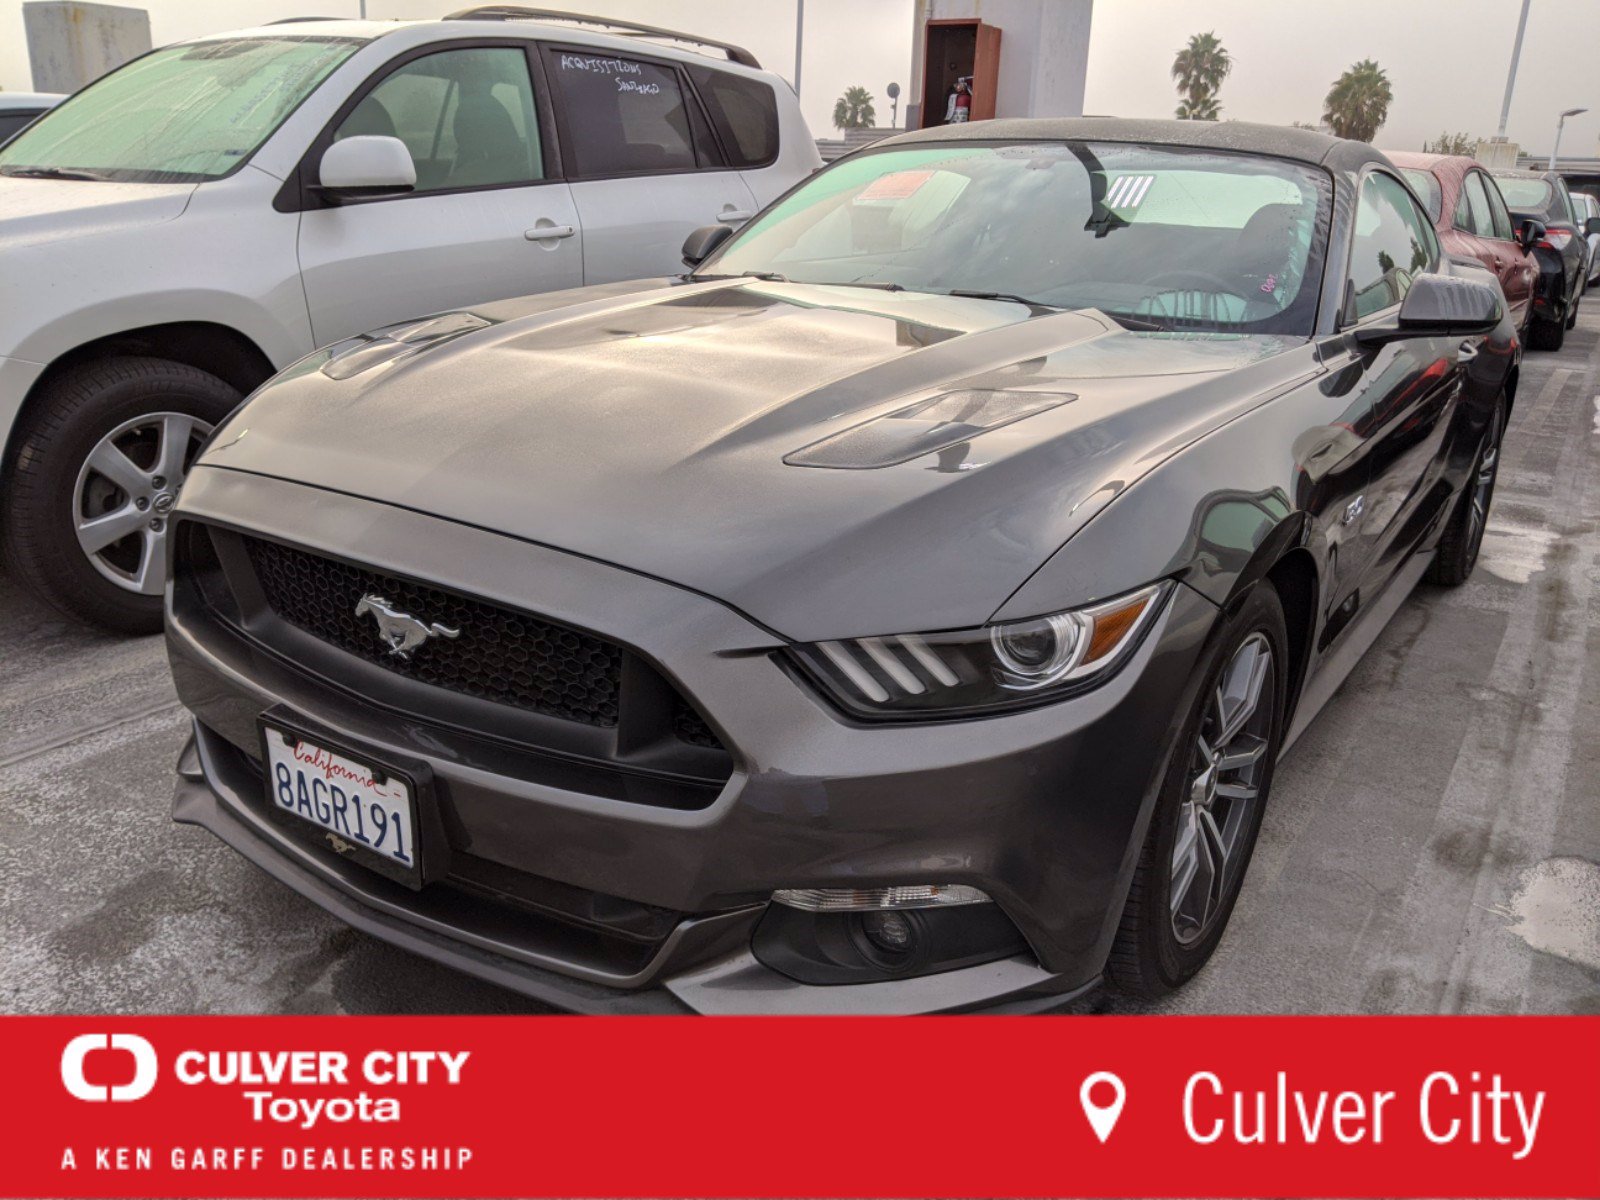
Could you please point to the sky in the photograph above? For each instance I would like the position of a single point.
(1446, 59)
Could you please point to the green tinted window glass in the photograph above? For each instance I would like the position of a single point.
(183, 114)
(467, 116)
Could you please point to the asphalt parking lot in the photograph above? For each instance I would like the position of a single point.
(1432, 844)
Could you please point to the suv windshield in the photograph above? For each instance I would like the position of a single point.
(179, 115)
(1159, 238)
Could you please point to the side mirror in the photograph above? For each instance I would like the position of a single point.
(366, 166)
(698, 246)
(1591, 226)
(1440, 306)
(1529, 233)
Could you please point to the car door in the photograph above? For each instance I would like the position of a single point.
(1489, 223)
(489, 217)
(1413, 384)
(645, 167)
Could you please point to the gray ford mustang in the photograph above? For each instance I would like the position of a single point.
(901, 612)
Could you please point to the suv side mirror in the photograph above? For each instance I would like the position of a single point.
(366, 166)
(1591, 226)
(1440, 306)
(1529, 233)
(697, 247)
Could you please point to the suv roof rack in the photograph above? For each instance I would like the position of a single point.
(516, 12)
(299, 20)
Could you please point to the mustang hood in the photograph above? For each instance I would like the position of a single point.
(649, 429)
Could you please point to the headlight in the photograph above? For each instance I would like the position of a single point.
(967, 671)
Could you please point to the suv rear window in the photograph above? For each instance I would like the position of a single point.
(745, 113)
(624, 116)
(1524, 192)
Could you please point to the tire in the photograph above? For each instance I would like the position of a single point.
(1572, 311)
(1463, 536)
(1150, 957)
(1547, 335)
(53, 487)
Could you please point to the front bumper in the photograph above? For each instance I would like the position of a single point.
(1044, 810)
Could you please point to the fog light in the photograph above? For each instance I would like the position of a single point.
(921, 895)
(889, 931)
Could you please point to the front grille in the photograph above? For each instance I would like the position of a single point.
(499, 655)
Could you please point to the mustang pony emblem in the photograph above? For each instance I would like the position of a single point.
(401, 632)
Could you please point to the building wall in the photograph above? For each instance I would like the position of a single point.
(71, 44)
(1044, 51)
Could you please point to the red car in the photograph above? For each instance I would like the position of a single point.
(1473, 222)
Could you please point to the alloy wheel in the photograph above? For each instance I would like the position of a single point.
(1483, 484)
(1227, 770)
(126, 490)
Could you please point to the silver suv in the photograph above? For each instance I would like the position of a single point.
(211, 212)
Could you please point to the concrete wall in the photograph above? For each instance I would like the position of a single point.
(1044, 51)
(71, 43)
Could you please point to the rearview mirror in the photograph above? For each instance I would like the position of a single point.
(1591, 226)
(1440, 306)
(1529, 233)
(698, 246)
(366, 166)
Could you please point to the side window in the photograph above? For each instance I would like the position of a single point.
(1478, 202)
(1392, 243)
(1565, 200)
(1503, 228)
(745, 112)
(624, 117)
(467, 116)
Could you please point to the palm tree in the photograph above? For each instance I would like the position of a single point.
(1200, 67)
(1358, 103)
(854, 110)
(1204, 109)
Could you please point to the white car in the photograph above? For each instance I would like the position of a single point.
(20, 109)
(1587, 207)
(202, 217)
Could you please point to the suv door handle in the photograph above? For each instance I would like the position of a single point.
(540, 233)
(730, 216)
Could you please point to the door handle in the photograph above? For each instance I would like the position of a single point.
(730, 216)
(542, 233)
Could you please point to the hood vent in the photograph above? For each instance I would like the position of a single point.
(923, 428)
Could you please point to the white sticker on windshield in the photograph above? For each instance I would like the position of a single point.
(1128, 191)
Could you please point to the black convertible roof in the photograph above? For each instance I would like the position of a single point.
(1240, 137)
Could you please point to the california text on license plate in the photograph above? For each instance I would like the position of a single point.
(341, 795)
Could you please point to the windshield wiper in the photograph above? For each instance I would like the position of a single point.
(50, 173)
(866, 283)
(964, 294)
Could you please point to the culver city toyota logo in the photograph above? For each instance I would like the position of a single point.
(79, 1048)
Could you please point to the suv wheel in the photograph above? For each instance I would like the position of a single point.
(93, 478)
(1206, 819)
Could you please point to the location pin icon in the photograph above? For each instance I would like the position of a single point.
(1102, 1117)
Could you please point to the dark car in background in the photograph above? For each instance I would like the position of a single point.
(20, 109)
(1562, 253)
(904, 611)
(1473, 221)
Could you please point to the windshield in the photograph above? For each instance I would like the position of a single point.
(1523, 193)
(179, 115)
(1159, 238)
(1426, 186)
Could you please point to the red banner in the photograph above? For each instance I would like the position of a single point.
(548, 1106)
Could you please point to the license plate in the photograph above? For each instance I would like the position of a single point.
(359, 807)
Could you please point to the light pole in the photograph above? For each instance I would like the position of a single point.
(1571, 112)
(799, 38)
(1511, 75)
